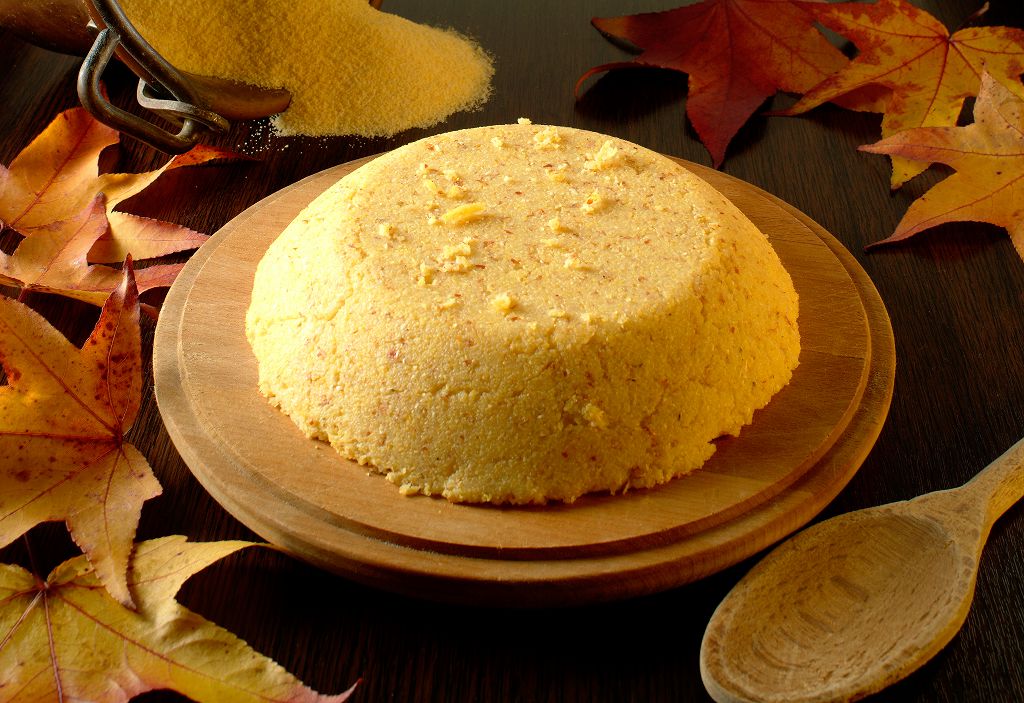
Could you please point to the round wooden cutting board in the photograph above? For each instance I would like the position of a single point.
(300, 495)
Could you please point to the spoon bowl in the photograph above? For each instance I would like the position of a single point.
(856, 603)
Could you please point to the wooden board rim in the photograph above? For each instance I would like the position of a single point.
(667, 562)
(492, 534)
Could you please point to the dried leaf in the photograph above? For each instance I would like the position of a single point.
(54, 177)
(909, 52)
(988, 156)
(57, 175)
(737, 53)
(5, 178)
(54, 260)
(143, 238)
(49, 195)
(118, 187)
(66, 639)
(63, 416)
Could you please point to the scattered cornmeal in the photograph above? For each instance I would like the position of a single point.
(545, 381)
(351, 69)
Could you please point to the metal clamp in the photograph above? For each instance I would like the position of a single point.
(162, 88)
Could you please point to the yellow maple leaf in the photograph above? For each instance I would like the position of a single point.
(929, 71)
(66, 639)
(63, 415)
(988, 156)
(55, 176)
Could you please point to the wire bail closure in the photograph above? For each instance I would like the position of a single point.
(162, 89)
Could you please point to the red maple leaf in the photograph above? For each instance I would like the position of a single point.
(737, 54)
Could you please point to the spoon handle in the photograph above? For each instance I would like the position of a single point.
(1001, 483)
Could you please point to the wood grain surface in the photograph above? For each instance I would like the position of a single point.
(955, 297)
(300, 495)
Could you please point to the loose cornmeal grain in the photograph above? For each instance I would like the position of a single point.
(351, 69)
(520, 377)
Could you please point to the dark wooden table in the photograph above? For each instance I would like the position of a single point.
(955, 295)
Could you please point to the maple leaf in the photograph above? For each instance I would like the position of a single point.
(55, 261)
(909, 52)
(49, 193)
(988, 156)
(57, 175)
(142, 237)
(45, 182)
(737, 53)
(67, 639)
(63, 416)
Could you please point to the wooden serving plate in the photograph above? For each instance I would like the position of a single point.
(300, 495)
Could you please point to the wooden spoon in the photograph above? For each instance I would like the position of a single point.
(857, 602)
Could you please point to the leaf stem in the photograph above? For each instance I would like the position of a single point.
(53, 649)
(974, 17)
(31, 556)
(21, 619)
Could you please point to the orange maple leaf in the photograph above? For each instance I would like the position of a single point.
(142, 237)
(45, 182)
(55, 261)
(49, 193)
(737, 53)
(908, 51)
(988, 156)
(66, 639)
(63, 416)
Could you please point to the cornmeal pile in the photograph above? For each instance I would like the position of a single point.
(351, 69)
(522, 313)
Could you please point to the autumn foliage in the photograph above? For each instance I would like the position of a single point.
(160, 644)
(63, 417)
(54, 196)
(737, 53)
(908, 66)
(928, 71)
(103, 626)
(988, 156)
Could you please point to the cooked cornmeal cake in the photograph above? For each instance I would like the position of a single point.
(521, 314)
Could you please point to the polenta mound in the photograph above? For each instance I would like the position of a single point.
(521, 314)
